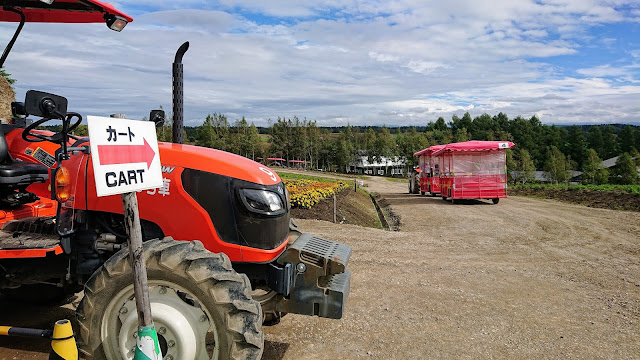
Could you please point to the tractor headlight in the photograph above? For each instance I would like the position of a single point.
(262, 201)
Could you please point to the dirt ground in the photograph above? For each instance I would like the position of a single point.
(523, 279)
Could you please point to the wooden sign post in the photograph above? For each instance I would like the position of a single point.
(124, 161)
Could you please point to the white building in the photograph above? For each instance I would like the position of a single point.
(384, 166)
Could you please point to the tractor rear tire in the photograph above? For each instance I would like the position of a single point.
(201, 307)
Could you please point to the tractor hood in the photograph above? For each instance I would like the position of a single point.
(216, 162)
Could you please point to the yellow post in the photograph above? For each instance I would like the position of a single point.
(63, 344)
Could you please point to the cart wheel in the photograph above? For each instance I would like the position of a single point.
(495, 200)
(422, 193)
(444, 198)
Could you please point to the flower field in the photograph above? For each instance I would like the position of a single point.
(305, 193)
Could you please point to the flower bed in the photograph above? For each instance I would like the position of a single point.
(306, 193)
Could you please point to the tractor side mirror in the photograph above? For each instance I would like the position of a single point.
(157, 116)
(39, 103)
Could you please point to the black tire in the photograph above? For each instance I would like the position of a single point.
(495, 200)
(444, 198)
(267, 299)
(422, 193)
(199, 286)
(415, 181)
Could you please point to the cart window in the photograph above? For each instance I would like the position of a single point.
(479, 163)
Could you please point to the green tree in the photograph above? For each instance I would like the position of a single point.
(206, 134)
(610, 142)
(595, 140)
(340, 154)
(625, 172)
(557, 166)
(635, 155)
(462, 135)
(244, 139)
(577, 145)
(592, 170)
(408, 144)
(7, 76)
(313, 144)
(280, 138)
(440, 124)
(627, 140)
(524, 169)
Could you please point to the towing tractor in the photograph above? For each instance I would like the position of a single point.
(222, 255)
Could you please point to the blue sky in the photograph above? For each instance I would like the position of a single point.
(367, 62)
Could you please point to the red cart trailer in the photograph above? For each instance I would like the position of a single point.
(473, 170)
(429, 170)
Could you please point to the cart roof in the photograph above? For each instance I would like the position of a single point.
(429, 150)
(60, 11)
(475, 146)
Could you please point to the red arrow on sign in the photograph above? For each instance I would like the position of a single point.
(126, 154)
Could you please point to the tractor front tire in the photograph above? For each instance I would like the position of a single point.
(201, 307)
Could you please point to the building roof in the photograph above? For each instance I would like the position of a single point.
(609, 163)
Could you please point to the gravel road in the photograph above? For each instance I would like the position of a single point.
(522, 279)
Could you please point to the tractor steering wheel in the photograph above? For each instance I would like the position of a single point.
(57, 138)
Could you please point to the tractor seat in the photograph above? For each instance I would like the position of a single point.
(15, 174)
(23, 173)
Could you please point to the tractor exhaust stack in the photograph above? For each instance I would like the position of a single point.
(178, 95)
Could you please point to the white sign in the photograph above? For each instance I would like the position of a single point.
(503, 145)
(125, 155)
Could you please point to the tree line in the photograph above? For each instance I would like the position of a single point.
(556, 150)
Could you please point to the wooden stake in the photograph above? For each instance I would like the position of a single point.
(334, 208)
(134, 239)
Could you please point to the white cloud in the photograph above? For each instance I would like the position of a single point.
(370, 62)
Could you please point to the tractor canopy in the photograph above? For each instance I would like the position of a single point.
(61, 11)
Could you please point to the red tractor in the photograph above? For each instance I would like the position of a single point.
(210, 297)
